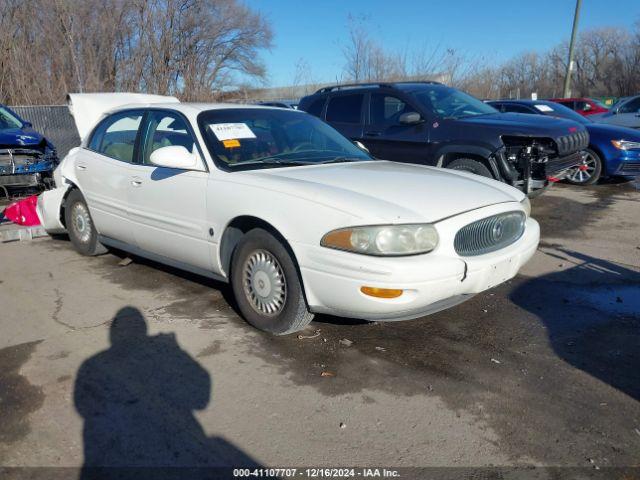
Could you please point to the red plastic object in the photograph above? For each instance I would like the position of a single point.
(23, 212)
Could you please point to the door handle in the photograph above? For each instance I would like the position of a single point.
(81, 167)
(136, 182)
(372, 134)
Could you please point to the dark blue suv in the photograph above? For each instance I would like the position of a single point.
(432, 124)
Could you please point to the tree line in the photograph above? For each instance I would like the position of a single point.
(607, 63)
(190, 48)
(205, 49)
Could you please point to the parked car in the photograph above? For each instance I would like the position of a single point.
(291, 213)
(27, 159)
(625, 113)
(612, 150)
(583, 106)
(432, 124)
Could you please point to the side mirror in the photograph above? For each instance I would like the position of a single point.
(27, 124)
(410, 118)
(175, 156)
(587, 107)
(361, 146)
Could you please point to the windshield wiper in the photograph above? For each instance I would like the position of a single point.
(341, 160)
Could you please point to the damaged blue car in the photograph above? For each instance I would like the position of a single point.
(27, 158)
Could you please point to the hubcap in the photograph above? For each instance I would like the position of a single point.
(583, 173)
(81, 222)
(264, 283)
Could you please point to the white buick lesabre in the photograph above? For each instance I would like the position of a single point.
(277, 203)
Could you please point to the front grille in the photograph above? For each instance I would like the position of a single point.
(489, 234)
(24, 160)
(629, 168)
(568, 144)
(557, 165)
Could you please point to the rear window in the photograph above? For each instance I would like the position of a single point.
(345, 108)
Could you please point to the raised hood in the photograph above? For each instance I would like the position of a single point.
(88, 108)
(387, 191)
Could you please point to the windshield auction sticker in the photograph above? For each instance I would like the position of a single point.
(230, 131)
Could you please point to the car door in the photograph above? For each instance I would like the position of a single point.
(627, 115)
(103, 171)
(387, 138)
(345, 113)
(167, 206)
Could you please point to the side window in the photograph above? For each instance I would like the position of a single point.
(116, 136)
(632, 106)
(316, 106)
(345, 108)
(165, 129)
(386, 110)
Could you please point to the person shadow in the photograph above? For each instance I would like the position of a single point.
(137, 400)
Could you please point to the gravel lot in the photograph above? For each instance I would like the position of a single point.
(541, 371)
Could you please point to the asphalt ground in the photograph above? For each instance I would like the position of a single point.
(542, 371)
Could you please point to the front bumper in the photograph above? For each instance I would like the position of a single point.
(430, 282)
(626, 163)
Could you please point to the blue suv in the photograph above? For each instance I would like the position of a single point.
(431, 124)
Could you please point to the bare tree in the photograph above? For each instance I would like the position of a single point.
(190, 48)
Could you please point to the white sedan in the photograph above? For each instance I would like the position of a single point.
(298, 219)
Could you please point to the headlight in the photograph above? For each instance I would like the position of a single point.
(625, 145)
(383, 240)
(526, 205)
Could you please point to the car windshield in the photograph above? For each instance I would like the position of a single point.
(8, 120)
(245, 138)
(557, 110)
(451, 103)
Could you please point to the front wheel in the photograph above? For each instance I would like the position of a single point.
(588, 172)
(471, 166)
(266, 285)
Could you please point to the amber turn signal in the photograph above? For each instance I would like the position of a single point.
(381, 292)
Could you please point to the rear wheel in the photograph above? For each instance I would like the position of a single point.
(266, 285)
(588, 172)
(80, 226)
(471, 166)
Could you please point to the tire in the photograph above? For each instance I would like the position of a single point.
(471, 166)
(80, 226)
(589, 172)
(266, 285)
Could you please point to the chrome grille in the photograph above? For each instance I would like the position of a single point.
(489, 234)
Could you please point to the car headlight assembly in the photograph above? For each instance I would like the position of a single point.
(526, 205)
(384, 240)
(625, 145)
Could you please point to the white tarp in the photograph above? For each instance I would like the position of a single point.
(88, 108)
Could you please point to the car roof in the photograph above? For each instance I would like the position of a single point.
(405, 86)
(195, 107)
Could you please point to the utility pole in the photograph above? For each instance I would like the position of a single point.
(567, 78)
